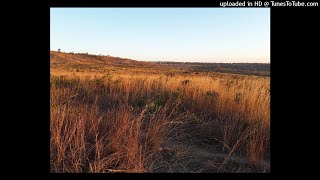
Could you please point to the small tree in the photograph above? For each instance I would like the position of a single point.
(59, 50)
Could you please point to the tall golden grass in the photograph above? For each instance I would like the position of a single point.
(120, 121)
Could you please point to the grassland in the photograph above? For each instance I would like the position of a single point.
(257, 69)
(118, 115)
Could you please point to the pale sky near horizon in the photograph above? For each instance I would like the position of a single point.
(164, 34)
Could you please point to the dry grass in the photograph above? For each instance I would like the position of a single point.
(121, 121)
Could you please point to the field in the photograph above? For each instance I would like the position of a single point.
(257, 69)
(109, 114)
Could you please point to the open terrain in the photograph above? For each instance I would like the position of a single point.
(109, 114)
(258, 69)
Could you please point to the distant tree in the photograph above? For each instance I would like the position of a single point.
(59, 50)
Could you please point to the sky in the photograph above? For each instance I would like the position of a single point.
(227, 35)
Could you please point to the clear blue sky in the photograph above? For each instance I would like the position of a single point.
(164, 34)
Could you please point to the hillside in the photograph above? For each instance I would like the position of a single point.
(67, 59)
(109, 114)
(81, 62)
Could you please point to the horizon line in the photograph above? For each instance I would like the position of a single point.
(100, 54)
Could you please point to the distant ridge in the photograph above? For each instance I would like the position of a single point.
(96, 61)
(85, 58)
